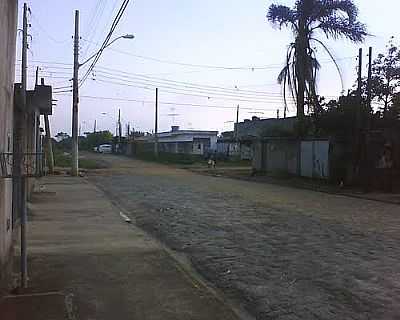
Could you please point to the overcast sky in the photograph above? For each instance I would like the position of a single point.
(170, 37)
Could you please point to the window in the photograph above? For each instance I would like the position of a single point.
(199, 146)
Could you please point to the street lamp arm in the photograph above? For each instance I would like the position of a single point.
(126, 36)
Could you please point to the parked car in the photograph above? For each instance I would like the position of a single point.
(104, 148)
(96, 149)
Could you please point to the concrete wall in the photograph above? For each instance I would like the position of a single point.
(282, 156)
(8, 27)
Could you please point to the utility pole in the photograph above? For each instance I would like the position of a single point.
(20, 185)
(357, 134)
(365, 161)
(284, 111)
(75, 100)
(94, 127)
(277, 113)
(156, 126)
(369, 86)
(237, 122)
(119, 126)
(359, 73)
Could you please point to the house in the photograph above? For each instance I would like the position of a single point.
(258, 128)
(249, 131)
(20, 134)
(228, 146)
(195, 142)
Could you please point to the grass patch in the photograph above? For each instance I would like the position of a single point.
(64, 160)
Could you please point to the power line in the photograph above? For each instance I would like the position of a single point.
(171, 103)
(209, 93)
(46, 33)
(106, 40)
(249, 67)
(187, 84)
(151, 87)
(91, 27)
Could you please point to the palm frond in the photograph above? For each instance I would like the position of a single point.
(328, 8)
(280, 16)
(339, 27)
(333, 59)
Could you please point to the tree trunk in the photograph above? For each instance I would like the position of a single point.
(301, 48)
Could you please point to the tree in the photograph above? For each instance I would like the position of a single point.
(97, 138)
(386, 78)
(334, 18)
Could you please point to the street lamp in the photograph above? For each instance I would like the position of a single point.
(75, 90)
(126, 36)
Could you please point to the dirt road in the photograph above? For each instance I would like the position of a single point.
(282, 253)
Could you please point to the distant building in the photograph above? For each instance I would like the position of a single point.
(197, 142)
(228, 146)
(248, 131)
(258, 128)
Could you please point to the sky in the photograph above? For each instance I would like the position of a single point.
(206, 57)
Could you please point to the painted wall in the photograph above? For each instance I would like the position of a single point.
(8, 28)
(315, 159)
(281, 155)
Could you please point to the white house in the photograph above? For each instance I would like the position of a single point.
(198, 142)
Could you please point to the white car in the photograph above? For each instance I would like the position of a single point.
(104, 148)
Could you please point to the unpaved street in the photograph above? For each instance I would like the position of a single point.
(282, 253)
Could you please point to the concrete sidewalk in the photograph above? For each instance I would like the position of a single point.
(86, 258)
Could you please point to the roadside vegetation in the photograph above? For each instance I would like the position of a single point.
(63, 159)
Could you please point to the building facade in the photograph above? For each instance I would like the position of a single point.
(8, 30)
(194, 142)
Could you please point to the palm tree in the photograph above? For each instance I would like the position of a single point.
(335, 18)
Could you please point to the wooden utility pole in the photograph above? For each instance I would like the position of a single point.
(156, 126)
(75, 100)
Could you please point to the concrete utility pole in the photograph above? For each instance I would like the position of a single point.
(156, 126)
(119, 126)
(19, 154)
(237, 122)
(75, 100)
(359, 74)
(369, 86)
